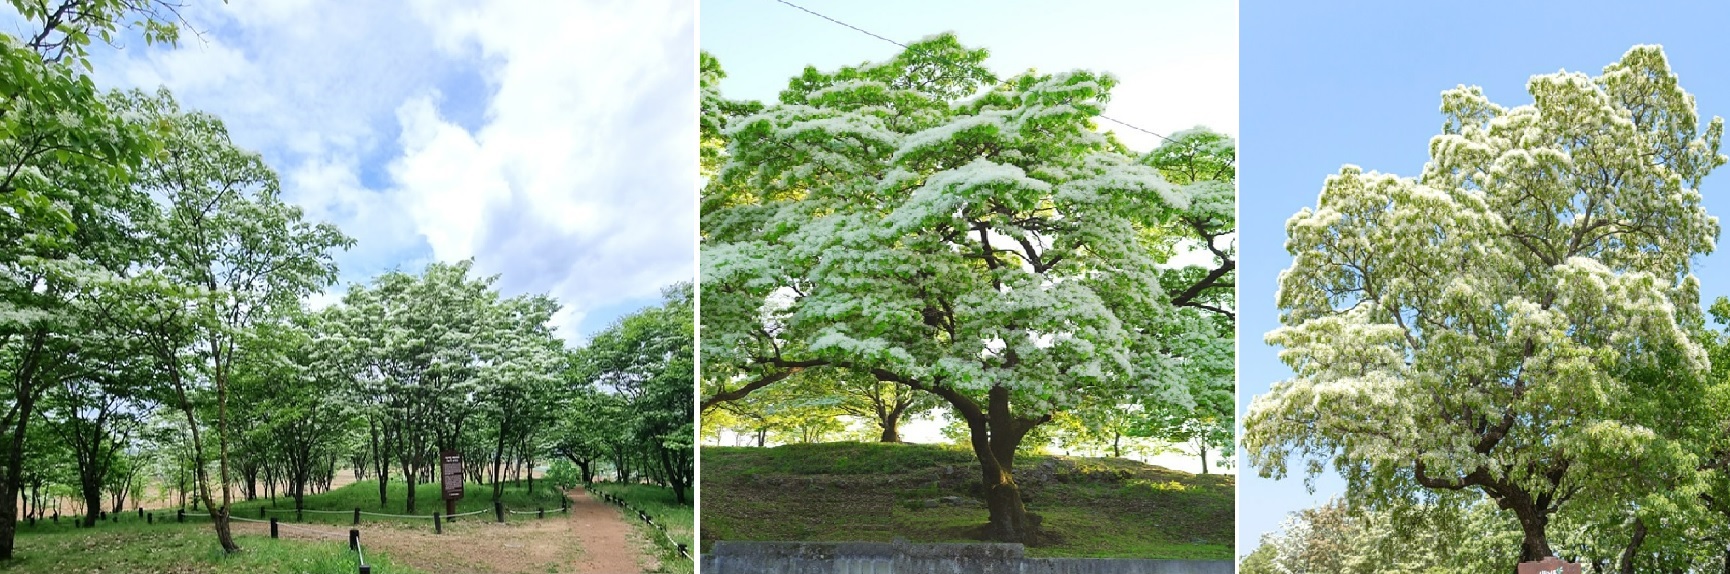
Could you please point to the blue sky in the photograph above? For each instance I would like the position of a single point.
(1176, 62)
(553, 142)
(1360, 83)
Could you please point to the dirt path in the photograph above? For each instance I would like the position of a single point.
(614, 545)
(593, 539)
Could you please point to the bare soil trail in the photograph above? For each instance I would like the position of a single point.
(592, 539)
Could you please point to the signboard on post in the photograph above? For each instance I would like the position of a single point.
(451, 465)
(451, 478)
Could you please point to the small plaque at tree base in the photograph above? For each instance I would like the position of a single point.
(1551, 565)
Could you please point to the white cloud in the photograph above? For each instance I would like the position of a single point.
(550, 141)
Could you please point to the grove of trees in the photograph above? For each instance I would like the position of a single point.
(156, 339)
(919, 231)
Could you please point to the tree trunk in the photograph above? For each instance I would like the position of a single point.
(1633, 549)
(1535, 545)
(498, 465)
(889, 424)
(381, 465)
(92, 492)
(995, 434)
(220, 515)
(1204, 459)
(24, 386)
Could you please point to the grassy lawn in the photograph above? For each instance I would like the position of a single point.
(1091, 507)
(657, 502)
(364, 495)
(131, 546)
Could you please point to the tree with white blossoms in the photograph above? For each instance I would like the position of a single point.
(1496, 325)
(65, 157)
(923, 222)
(229, 234)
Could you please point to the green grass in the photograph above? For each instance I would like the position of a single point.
(179, 548)
(658, 503)
(1092, 507)
(364, 495)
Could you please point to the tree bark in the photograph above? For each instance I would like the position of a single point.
(24, 385)
(995, 434)
(1534, 545)
(1633, 549)
(890, 423)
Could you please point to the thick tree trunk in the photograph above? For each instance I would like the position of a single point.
(1009, 520)
(92, 492)
(996, 434)
(890, 423)
(1535, 545)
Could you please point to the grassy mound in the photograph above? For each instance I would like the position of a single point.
(1091, 507)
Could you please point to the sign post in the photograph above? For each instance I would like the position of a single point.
(451, 465)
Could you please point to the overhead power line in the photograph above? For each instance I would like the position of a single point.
(873, 35)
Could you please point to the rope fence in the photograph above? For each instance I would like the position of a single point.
(684, 552)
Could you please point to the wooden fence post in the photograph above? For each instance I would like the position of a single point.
(273, 527)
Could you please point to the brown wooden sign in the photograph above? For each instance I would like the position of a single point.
(451, 465)
(1551, 565)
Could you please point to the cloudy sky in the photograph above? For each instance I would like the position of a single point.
(550, 141)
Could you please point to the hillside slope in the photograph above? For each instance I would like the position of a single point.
(1093, 507)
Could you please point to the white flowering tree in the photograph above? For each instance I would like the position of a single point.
(228, 234)
(925, 223)
(1504, 323)
(65, 155)
(646, 358)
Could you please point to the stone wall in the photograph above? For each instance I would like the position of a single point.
(908, 558)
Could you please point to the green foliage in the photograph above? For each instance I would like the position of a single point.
(1520, 321)
(563, 475)
(646, 359)
(925, 223)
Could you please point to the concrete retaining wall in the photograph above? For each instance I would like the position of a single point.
(907, 558)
